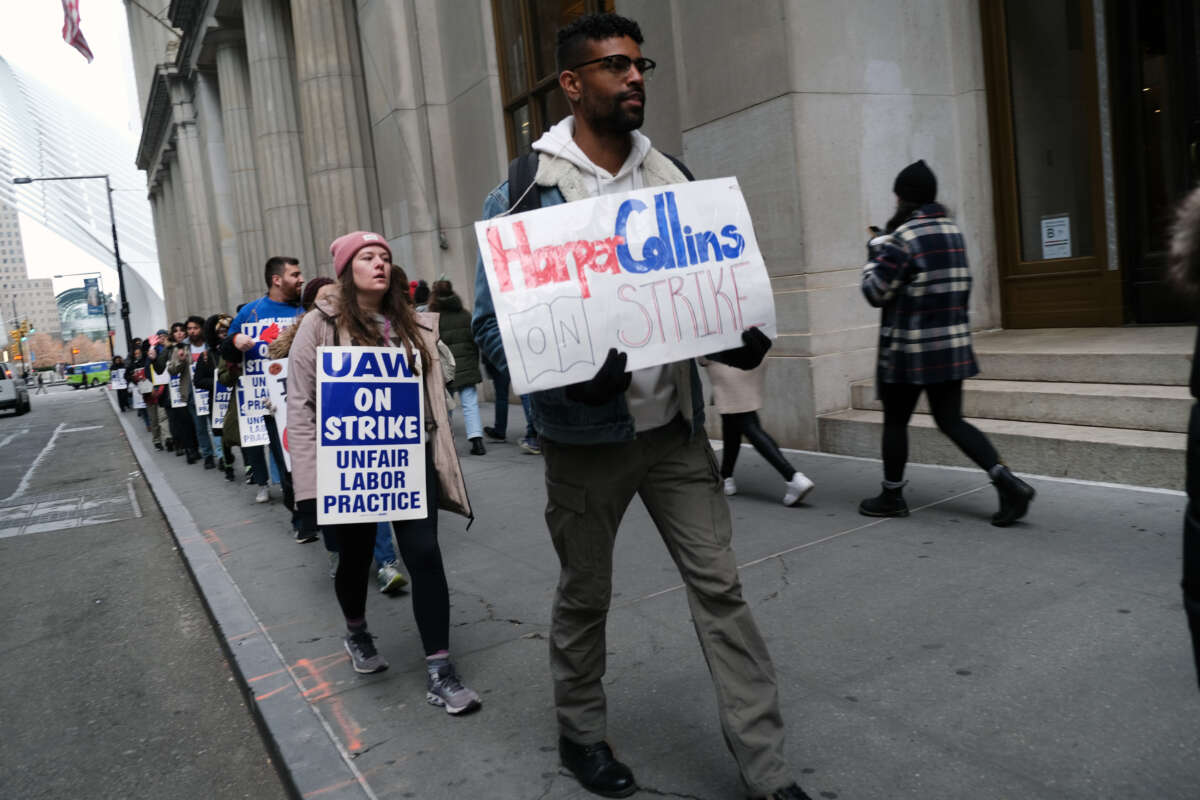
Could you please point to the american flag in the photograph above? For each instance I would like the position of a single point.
(71, 33)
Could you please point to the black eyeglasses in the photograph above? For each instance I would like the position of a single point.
(619, 64)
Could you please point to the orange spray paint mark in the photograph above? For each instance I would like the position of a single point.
(316, 688)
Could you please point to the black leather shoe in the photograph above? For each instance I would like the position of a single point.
(595, 768)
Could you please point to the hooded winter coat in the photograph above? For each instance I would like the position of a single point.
(1185, 274)
(454, 322)
(318, 329)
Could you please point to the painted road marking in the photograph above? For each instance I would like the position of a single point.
(23, 486)
(65, 510)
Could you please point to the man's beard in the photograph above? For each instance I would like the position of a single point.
(611, 117)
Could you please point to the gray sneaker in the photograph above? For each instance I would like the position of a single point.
(445, 689)
(363, 655)
(389, 579)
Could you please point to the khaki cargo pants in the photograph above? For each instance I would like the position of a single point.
(676, 475)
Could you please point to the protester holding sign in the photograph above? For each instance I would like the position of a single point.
(278, 351)
(370, 311)
(179, 421)
(611, 435)
(118, 382)
(255, 326)
(917, 274)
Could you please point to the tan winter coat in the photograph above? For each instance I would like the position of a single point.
(736, 391)
(317, 330)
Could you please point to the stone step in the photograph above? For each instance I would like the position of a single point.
(1157, 355)
(1115, 455)
(1102, 405)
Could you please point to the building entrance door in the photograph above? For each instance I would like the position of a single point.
(1157, 133)
(1043, 112)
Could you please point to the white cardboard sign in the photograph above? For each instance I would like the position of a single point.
(663, 274)
(252, 408)
(118, 379)
(276, 373)
(370, 436)
(220, 406)
(175, 390)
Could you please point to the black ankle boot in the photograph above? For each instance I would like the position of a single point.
(595, 768)
(1015, 497)
(477, 448)
(889, 503)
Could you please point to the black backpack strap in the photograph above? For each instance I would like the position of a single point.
(521, 173)
(687, 173)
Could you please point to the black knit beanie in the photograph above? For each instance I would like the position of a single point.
(916, 183)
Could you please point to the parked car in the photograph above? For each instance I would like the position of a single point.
(13, 393)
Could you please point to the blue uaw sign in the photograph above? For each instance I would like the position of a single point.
(370, 436)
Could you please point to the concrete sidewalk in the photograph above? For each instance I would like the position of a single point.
(928, 657)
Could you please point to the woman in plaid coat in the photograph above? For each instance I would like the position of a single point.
(917, 274)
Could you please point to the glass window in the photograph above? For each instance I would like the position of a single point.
(1049, 75)
(525, 39)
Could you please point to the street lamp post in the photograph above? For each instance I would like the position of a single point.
(108, 332)
(116, 249)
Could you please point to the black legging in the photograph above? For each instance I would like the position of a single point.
(734, 427)
(417, 541)
(945, 401)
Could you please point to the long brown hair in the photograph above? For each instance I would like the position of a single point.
(363, 328)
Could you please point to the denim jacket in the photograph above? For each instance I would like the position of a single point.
(555, 416)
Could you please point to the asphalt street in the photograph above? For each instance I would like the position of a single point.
(933, 658)
(115, 685)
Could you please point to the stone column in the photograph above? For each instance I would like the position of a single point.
(174, 269)
(207, 278)
(159, 211)
(220, 191)
(233, 74)
(279, 148)
(342, 185)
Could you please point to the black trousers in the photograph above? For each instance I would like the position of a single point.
(734, 427)
(418, 546)
(945, 402)
(179, 422)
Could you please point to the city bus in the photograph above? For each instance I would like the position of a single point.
(93, 372)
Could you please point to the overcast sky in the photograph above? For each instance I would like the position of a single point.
(31, 39)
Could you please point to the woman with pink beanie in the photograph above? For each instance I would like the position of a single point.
(370, 309)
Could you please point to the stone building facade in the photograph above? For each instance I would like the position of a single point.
(271, 126)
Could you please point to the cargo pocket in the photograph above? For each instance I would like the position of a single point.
(576, 539)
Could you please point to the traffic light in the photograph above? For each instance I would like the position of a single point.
(26, 329)
(14, 334)
(74, 351)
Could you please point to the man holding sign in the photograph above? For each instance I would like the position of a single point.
(256, 325)
(615, 271)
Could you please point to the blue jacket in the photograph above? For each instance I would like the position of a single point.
(555, 416)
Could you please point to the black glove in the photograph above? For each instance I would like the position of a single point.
(305, 514)
(755, 345)
(610, 381)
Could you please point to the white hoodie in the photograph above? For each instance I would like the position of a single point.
(651, 396)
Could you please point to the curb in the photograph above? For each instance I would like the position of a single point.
(309, 759)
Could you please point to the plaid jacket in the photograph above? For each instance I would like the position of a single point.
(919, 277)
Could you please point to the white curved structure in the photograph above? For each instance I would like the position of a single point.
(42, 134)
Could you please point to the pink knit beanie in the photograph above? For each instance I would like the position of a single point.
(344, 247)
